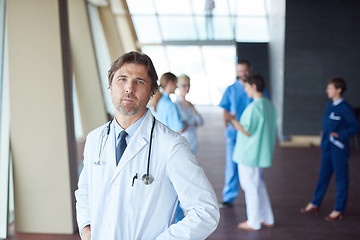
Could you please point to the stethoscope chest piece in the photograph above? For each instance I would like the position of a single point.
(147, 179)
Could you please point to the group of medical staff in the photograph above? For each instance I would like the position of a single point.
(234, 101)
(338, 125)
(140, 172)
(250, 119)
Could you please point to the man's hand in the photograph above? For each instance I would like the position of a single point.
(334, 134)
(228, 117)
(86, 233)
(184, 129)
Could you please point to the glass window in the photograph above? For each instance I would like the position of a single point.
(177, 22)
(198, 7)
(158, 57)
(173, 6)
(252, 29)
(215, 28)
(203, 28)
(178, 28)
(189, 60)
(220, 64)
(184, 59)
(251, 8)
(221, 8)
(233, 5)
(102, 55)
(147, 29)
(174, 20)
(211, 68)
(223, 28)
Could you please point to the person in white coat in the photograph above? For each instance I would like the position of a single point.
(188, 112)
(112, 200)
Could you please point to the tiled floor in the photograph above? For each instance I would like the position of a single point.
(290, 182)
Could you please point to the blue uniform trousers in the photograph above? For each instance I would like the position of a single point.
(231, 186)
(333, 160)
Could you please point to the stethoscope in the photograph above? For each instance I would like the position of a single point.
(147, 178)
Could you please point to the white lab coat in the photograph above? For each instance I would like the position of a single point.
(188, 116)
(116, 210)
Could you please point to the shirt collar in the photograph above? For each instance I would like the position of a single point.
(239, 82)
(338, 101)
(131, 129)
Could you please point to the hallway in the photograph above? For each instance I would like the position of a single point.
(290, 182)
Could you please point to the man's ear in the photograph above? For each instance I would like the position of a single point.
(339, 90)
(253, 86)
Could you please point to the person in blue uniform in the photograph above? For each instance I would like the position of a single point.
(167, 112)
(234, 101)
(163, 108)
(338, 125)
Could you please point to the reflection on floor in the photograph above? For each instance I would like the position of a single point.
(290, 182)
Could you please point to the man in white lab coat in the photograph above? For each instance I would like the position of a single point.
(113, 202)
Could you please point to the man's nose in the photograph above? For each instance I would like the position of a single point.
(129, 87)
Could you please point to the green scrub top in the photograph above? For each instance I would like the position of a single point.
(259, 119)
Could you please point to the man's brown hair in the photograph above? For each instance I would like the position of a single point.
(136, 58)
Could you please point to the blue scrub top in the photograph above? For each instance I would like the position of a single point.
(236, 100)
(168, 114)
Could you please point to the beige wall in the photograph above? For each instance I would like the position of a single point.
(38, 120)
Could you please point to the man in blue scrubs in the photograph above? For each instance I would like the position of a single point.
(234, 100)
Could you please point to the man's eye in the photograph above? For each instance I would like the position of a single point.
(140, 82)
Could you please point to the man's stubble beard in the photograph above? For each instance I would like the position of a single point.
(130, 110)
